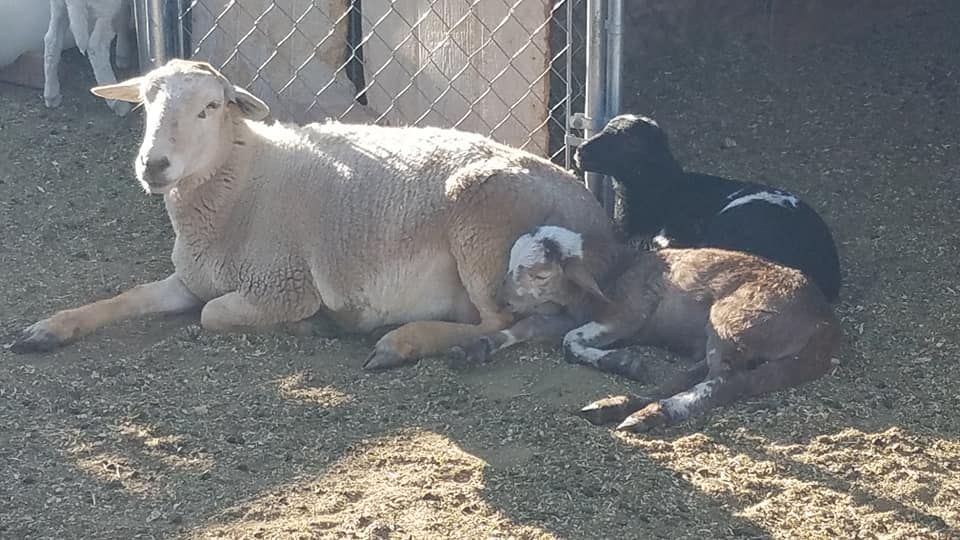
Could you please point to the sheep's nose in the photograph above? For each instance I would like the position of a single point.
(156, 166)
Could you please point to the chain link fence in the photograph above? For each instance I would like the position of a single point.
(511, 69)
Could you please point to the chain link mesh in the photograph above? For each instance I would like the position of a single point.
(511, 69)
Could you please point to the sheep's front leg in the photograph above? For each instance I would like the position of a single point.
(546, 328)
(169, 295)
(423, 338)
(52, 45)
(98, 53)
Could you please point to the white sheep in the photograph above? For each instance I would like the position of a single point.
(110, 18)
(368, 225)
(752, 325)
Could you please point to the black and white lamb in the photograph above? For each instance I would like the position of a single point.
(687, 209)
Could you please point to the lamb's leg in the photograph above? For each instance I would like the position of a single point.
(637, 294)
(98, 52)
(52, 45)
(165, 296)
(616, 408)
(584, 345)
(546, 328)
(724, 388)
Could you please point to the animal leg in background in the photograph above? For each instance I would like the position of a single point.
(165, 296)
(52, 45)
(98, 52)
(127, 53)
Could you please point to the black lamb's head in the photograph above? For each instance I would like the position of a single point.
(629, 144)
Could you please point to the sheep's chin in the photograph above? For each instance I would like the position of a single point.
(158, 190)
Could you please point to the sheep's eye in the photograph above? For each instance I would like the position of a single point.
(212, 105)
(541, 277)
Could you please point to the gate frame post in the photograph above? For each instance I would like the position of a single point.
(602, 100)
(161, 32)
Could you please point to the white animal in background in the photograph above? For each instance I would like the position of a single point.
(22, 24)
(110, 18)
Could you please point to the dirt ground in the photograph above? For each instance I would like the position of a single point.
(150, 429)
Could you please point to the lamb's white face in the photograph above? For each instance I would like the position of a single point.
(535, 274)
(185, 123)
(190, 108)
(527, 288)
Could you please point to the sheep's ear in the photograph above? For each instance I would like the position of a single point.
(577, 272)
(250, 105)
(128, 90)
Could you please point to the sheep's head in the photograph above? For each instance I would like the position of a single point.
(627, 143)
(547, 271)
(190, 109)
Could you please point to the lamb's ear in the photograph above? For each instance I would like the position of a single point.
(576, 271)
(250, 105)
(128, 90)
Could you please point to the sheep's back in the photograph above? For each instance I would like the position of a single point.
(369, 208)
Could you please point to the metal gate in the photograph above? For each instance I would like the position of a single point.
(530, 73)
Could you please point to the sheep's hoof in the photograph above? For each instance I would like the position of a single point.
(37, 338)
(478, 351)
(612, 409)
(381, 359)
(52, 102)
(647, 418)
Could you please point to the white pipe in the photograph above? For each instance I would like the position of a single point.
(148, 17)
(613, 81)
(595, 109)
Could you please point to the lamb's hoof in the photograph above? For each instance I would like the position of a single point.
(381, 359)
(622, 362)
(52, 102)
(612, 409)
(478, 351)
(647, 418)
(37, 338)
(121, 108)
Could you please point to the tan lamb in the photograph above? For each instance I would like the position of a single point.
(752, 326)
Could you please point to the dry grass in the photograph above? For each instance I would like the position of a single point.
(149, 430)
